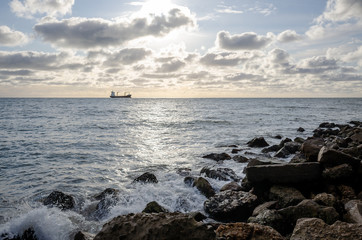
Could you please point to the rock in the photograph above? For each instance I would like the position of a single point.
(240, 159)
(263, 207)
(314, 228)
(189, 181)
(218, 156)
(28, 234)
(284, 173)
(292, 147)
(197, 216)
(234, 186)
(224, 174)
(340, 173)
(354, 211)
(231, 205)
(235, 150)
(278, 137)
(270, 218)
(273, 148)
(285, 196)
(327, 125)
(298, 158)
(320, 132)
(325, 199)
(183, 171)
(83, 236)
(346, 192)
(311, 148)
(331, 157)
(60, 200)
(146, 178)
(204, 187)
(258, 142)
(107, 192)
(300, 129)
(357, 136)
(282, 153)
(246, 231)
(299, 140)
(155, 226)
(154, 207)
(257, 162)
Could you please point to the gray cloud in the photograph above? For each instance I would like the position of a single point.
(92, 33)
(28, 8)
(9, 37)
(126, 56)
(221, 59)
(171, 66)
(288, 36)
(248, 40)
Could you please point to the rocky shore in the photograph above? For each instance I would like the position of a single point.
(316, 195)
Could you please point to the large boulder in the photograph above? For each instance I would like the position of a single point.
(246, 231)
(340, 173)
(231, 205)
(325, 199)
(331, 157)
(270, 218)
(315, 228)
(155, 226)
(224, 174)
(106, 193)
(285, 196)
(154, 207)
(311, 148)
(234, 186)
(60, 200)
(284, 173)
(146, 178)
(257, 142)
(204, 187)
(217, 156)
(354, 211)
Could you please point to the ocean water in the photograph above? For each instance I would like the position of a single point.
(83, 146)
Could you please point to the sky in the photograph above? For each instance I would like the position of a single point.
(181, 48)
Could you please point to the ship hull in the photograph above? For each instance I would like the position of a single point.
(127, 96)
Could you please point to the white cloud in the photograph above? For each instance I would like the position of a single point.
(29, 8)
(83, 33)
(171, 66)
(247, 40)
(342, 10)
(288, 36)
(9, 37)
(228, 9)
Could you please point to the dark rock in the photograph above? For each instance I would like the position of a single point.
(267, 205)
(224, 174)
(105, 193)
(354, 211)
(28, 234)
(234, 151)
(234, 186)
(246, 231)
(357, 136)
(154, 207)
(311, 148)
(270, 218)
(240, 159)
(298, 158)
(60, 200)
(273, 148)
(325, 199)
(231, 205)
(146, 178)
(278, 137)
(300, 129)
(258, 142)
(299, 140)
(282, 153)
(218, 156)
(284, 173)
(197, 216)
(259, 162)
(327, 125)
(340, 173)
(155, 226)
(315, 228)
(83, 236)
(346, 193)
(189, 181)
(232, 146)
(332, 157)
(183, 171)
(285, 196)
(204, 187)
(292, 147)
(320, 132)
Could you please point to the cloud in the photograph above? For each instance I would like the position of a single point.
(85, 33)
(288, 36)
(342, 10)
(125, 56)
(221, 59)
(29, 8)
(247, 40)
(171, 66)
(10, 38)
(228, 9)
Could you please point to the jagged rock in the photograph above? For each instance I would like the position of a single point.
(284, 173)
(311, 148)
(331, 157)
(231, 205)
(273, 148)
(154, 207)
(258, 142)
(338, 173)
(314, 228)
(218, 156)
(263, 207)
(155, 226)
(240, 159)
(234, 186)
(83, 236)
(224, 174)
(105, 193)
(146, 178)
(246, 231)
(204, 187)
(183, 171)
(325, 199)
(282, 153)
(285, 196)
(270, 218)
(60, 200)
(354, 211)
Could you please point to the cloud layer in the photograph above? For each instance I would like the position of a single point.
(29, 8)
(9, 37)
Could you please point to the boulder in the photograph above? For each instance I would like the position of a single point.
(298, 158)
(300, 129)
(282, 153)
(197, 216)
(154, 207)
(273, 148)
(264, 206)
(325, 199)
(60, 200)
(346, 192)
(146, 178)
(235, 150)
(284, 173)
(105, 193)
(354, 211)
(299, 140)
(340, 173)
(315, 228)
(218, 156)
(246, 231)
(258, 142)
(234, 186)
(224, 174)
(327, 125)
(155, 226)
(292, 147)
(204, 187)
(285, 196)
(231, 205)
(240, 159)
(331, 157)
(311, 148)
(270, 218)
(83, 236)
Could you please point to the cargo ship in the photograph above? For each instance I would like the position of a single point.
(115, 95)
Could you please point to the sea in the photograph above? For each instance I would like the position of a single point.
(83, 146)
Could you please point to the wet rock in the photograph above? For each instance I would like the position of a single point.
(340, 173)
(155, 226)
(354, 211)
(60, 200)
(240, 159)
(218, 156)
(234, 186)
(298, 158)
(300, 129)
(311, 148)
(282, 153)
(270, 218)
(273, 148)
(28, 234)
(224, 174)
(292, 147)
(264, 206)
(258, 142)
(234, 151)
(204, 187)
(320, 132)
(314, 228)
(299, 140)
(183, 171)
(105, 193)
(83, 236)
(197, 216)
(278, 137)
(331, 157)
(325, 199)
(246, 231)
(258, 162)
(154, 207)
(285, 196)
(189, 180)
(284, 173)
(231, 205)
(327, 125)
(146, 178)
